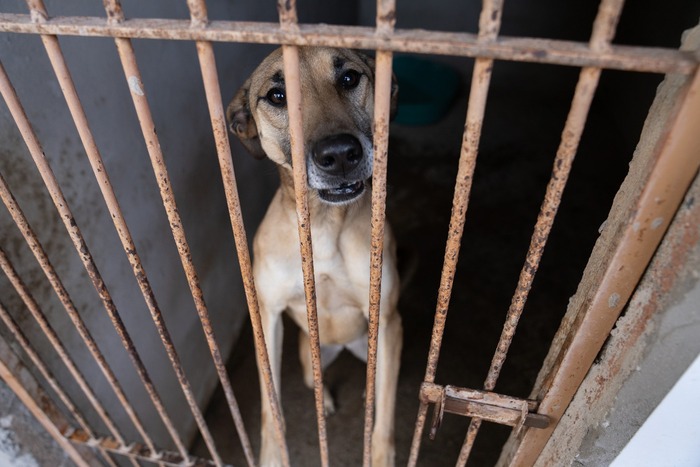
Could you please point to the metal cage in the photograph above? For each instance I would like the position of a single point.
(631, 236)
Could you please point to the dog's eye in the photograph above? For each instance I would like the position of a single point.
(350, 79)
(276, 97)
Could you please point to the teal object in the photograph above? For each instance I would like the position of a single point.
(426, 89)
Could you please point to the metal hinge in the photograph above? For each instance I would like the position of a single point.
(487, 406)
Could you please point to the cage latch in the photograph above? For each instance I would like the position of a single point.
(488, 406)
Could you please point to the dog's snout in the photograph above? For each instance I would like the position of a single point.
(337, 154)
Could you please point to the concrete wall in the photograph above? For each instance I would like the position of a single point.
(23, 441)
(663, 357)
(173, 85)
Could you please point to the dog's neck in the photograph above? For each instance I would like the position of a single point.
(318, 210)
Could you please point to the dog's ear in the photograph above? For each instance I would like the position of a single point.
(241, 122)
(393, 106)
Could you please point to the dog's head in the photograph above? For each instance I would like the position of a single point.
(337, 93)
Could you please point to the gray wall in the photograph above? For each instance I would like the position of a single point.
(173, 85)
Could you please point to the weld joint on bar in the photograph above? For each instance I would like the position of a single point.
(37, 12)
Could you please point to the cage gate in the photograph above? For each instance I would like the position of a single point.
(599, 301)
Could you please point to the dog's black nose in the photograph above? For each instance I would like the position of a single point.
(337, 154)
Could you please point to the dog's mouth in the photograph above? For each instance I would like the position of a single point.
(345, 193)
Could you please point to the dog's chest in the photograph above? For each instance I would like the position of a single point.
(341, 300)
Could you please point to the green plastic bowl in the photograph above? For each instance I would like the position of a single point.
(426, 89)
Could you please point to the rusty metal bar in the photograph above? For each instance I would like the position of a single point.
(386, 18)
(603, 32)
(23, 342)
(35, 246)
(73, 101)
(213, 93)
(293, 90)
(134, 451)
(290, 54)
(643, 59)
(637, 223)
(133, 76)
(76, 236)
(48, 414)
(486, 405)
(241, 241)
(207, 61)
(28, 390)
(53, 338)
(30, 237)
(489, 24)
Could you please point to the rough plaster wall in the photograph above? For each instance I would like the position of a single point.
(23, 442)
(668, 351)
(655, 339)
(172, 81)
(643, 358)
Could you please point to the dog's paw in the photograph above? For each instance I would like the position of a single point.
(382, 459)
(270, 461)
(270, 451)
(383, 453)
(270, 458)
(328, 402)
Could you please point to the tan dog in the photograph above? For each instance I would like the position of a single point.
(337, 108)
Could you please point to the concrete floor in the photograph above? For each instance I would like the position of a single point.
(516, 154)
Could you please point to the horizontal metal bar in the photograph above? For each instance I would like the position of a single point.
(485, 405)
(134, 451)
(644, 59)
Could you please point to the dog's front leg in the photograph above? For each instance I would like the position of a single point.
(307, 368)
(388, 362)
(270, 450)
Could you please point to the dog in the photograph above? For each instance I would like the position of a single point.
(337, 108)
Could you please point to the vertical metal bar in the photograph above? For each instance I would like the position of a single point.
(198, 13)
(240, 237)
(603, 32)
(42, 412)
(76, 236)
(55, 385)
(386, 18)
(138, 93)
(51, 335)
(293, 90)
(41, 257)
(489, 25)
(68, 88)
(288, 20)
(20, 382)
(168, 198)
(23, 342)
